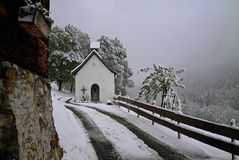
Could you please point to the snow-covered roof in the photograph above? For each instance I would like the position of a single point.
(93, 52)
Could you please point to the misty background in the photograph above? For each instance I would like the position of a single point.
(199, 35)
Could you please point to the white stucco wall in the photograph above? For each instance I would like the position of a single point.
(95, 72)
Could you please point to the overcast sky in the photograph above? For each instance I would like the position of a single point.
(183, 33)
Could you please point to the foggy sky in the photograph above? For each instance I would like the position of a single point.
(184, 33)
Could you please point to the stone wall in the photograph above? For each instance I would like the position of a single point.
(27, 129)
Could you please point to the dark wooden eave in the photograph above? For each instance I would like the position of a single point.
(17, 45)
(94, 52)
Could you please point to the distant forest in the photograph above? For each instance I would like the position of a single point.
(215, 95)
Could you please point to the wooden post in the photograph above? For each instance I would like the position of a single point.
(137, 113)
(179, 136)
(162, 100)
(154, 103)
(233, 124)
(118, 103)
(116, 100)
(179, 112)
(127, 107)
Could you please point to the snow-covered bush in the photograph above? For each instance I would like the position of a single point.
(172, 101)
(162, 80)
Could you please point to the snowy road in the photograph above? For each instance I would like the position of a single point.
(125, 143)
(125, 135)
(78, 141)
(103, 147)
(162, 149)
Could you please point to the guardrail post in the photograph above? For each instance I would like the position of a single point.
(152, 122)
(179, 135)
(127, 106)
(116, 100)
(118, 103)
(154, 103)
(233, 124)
(137, 113)
(179, 112)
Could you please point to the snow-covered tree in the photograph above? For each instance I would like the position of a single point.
(172, 101)
(67, 47)
(115, 55)
(162, 80)
(61, 64)
(68, 39)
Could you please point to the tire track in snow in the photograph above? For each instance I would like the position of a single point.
(103, 147)
(165, 151)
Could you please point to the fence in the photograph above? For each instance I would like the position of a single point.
(142, 109)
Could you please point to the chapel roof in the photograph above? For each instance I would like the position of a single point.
(93, 52)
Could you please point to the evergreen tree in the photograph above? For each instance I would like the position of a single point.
(115, 56)
(67, 47)
(162, 80)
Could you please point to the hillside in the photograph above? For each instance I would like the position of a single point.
(212, 94)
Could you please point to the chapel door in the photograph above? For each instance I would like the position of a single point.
(95, 93)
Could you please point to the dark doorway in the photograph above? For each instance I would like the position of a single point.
(95, 93)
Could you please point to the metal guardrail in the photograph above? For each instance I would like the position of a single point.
(215, 128)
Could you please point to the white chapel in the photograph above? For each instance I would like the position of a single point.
(94, 80)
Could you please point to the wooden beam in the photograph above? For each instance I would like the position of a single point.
(218, 143)
(219, 129)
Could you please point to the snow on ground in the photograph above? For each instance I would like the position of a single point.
(73, 138)
(63, 96)
(75, 142)
(185, 145)
(126, 143)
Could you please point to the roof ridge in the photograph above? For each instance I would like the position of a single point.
(93, 52)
